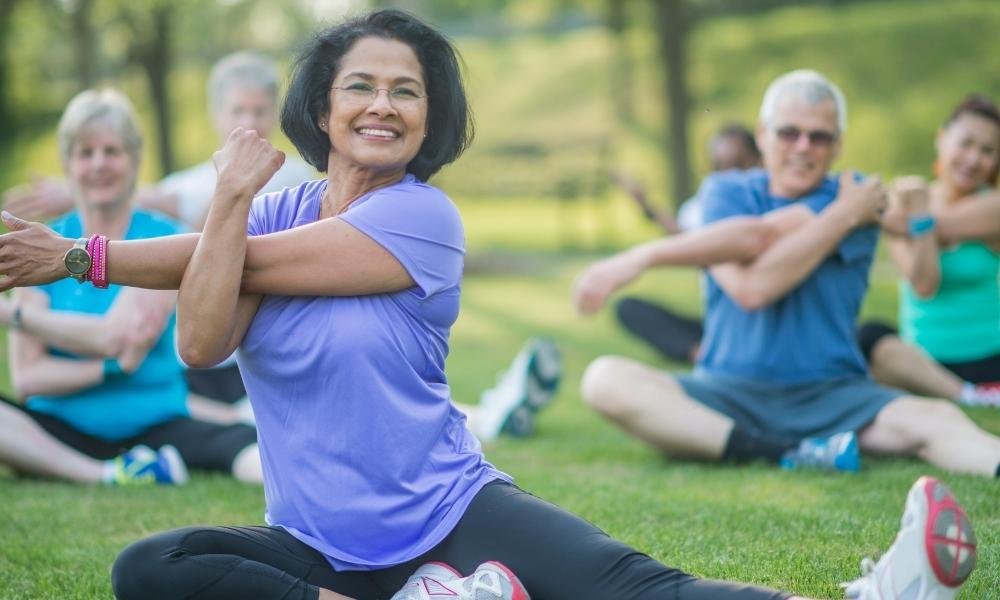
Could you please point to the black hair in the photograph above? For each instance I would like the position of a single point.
(741, 133)
(981, 106)
(449, 119)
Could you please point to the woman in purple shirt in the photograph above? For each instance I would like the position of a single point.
(340, 302)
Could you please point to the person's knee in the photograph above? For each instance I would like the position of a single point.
(247, 467)
(924, 418)
(603, 384)
(140, 568)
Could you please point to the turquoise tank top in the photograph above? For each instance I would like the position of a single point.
(962, 321)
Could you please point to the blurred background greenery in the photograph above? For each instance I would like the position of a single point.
(563, 90)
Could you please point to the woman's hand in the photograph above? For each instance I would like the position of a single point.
(245, 163)
(31, 254)
(144, 328)
(910, 195)
(602, 279)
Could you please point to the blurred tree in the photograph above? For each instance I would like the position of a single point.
(84, 52)
(151, 49)
(7, 110)
(675, 20)
(622, 97)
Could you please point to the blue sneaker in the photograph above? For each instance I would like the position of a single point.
(142, 466)
(838, 452)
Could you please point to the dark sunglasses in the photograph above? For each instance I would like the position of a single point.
(817, 137)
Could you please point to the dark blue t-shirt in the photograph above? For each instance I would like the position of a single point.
(806, 336)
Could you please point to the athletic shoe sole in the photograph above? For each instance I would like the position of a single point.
(949, 539)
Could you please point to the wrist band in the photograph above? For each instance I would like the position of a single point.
(97, 247)
(112, 368)
(920, 225)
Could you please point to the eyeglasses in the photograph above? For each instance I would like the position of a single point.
(817, 137)
(365, 93)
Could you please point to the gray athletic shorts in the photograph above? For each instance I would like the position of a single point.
(793, 411)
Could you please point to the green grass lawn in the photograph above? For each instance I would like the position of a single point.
(798, 531)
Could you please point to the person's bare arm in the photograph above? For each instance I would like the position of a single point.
(210, 293)
(915, 257)
(737, 239)
(34, 371)
(40, 199)
(100, 336)
(972, 219)
(793, 257)
(154, 198)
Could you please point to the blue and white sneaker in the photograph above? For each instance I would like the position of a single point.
(142, 466)
(838, 452)
(524, 389)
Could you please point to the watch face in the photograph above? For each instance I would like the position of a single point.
(77, 261)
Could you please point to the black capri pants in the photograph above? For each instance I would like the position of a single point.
(556, 554)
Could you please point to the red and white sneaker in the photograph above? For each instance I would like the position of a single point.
(933, 555)
(437, 581)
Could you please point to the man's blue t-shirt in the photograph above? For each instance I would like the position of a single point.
(123, 405)
(809, 334)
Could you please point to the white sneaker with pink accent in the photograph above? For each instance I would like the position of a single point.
(438, 581)
(933, 555)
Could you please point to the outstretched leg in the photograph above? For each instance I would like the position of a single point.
(653, 407)
(936, 431)
(27, 448)
(556, 554)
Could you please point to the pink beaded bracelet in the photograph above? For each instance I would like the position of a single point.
(97, 247)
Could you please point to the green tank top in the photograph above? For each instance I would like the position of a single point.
(962, 321)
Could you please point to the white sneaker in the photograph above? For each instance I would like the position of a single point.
(526, 387)
(934, 551)
(435, 580)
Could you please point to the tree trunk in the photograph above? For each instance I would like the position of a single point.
(7, 116)
(153, 54)
(673, 22)
(621, 91)
(83, 42)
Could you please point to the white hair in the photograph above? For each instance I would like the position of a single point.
(96, 109)
(243, 69)
(807, 85)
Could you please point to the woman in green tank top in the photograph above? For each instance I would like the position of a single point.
(950, 261)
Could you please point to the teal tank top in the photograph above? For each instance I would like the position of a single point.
(962, 321)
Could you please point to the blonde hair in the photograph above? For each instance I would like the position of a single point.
(94, 109)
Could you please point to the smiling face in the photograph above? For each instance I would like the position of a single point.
(378, 107)
(798, 163)
(968, 151)
(100, 169)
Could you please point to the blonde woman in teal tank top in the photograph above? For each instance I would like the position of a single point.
(950, 261)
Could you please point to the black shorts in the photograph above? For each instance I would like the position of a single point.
(224, 384)
(202, 445)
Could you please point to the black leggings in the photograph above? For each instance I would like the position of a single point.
(556, 555)
(984, 370)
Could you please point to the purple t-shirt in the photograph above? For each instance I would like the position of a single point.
(365, 457)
